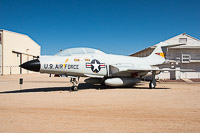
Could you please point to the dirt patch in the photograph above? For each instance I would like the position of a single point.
(195, 80)
(45, 104)
(168, 80)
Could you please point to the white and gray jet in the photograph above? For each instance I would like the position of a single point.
(102, 68)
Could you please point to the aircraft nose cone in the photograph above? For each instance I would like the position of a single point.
(33, 65)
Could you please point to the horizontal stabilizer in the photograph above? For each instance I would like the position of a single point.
(172, 45)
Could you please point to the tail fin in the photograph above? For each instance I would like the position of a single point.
(158, 56)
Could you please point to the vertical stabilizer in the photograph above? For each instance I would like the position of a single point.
(158, 55)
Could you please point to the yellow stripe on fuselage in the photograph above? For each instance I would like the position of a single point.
(66, 61)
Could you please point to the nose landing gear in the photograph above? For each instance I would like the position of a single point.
(75, 82)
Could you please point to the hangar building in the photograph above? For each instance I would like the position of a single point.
(15, 49)
(180, 57)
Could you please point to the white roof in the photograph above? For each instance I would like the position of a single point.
(191, 41)
(78, 51)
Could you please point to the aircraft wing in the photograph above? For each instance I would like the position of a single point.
(158, 69)
(168, 69)
(138, 68)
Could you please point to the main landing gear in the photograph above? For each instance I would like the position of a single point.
(75, 82)
(152, 83)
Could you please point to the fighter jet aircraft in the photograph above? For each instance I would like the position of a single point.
(101, 68)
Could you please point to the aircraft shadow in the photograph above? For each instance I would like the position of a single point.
(82, 86)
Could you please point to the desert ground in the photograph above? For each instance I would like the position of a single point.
(46, 104)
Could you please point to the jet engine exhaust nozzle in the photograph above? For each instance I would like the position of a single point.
(33, 65)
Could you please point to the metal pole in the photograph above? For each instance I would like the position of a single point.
(21, 82)
(10, 70)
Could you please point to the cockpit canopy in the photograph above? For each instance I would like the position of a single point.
(77, 51)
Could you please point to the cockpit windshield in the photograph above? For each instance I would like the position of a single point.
(76, 51)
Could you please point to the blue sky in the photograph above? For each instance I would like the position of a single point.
(114, 26)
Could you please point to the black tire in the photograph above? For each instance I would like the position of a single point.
(151, 85)
(75, 88)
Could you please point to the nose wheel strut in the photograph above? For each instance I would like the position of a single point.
(75, 82)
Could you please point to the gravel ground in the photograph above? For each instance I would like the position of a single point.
(45, 104)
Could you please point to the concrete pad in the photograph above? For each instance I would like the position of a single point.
(187, 80)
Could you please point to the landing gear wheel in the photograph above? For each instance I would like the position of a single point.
(74, 88)
(75, 82)
(151, 85)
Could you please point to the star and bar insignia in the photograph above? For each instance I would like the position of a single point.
(95, 65)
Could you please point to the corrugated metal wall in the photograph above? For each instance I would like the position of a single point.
(16, 50)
